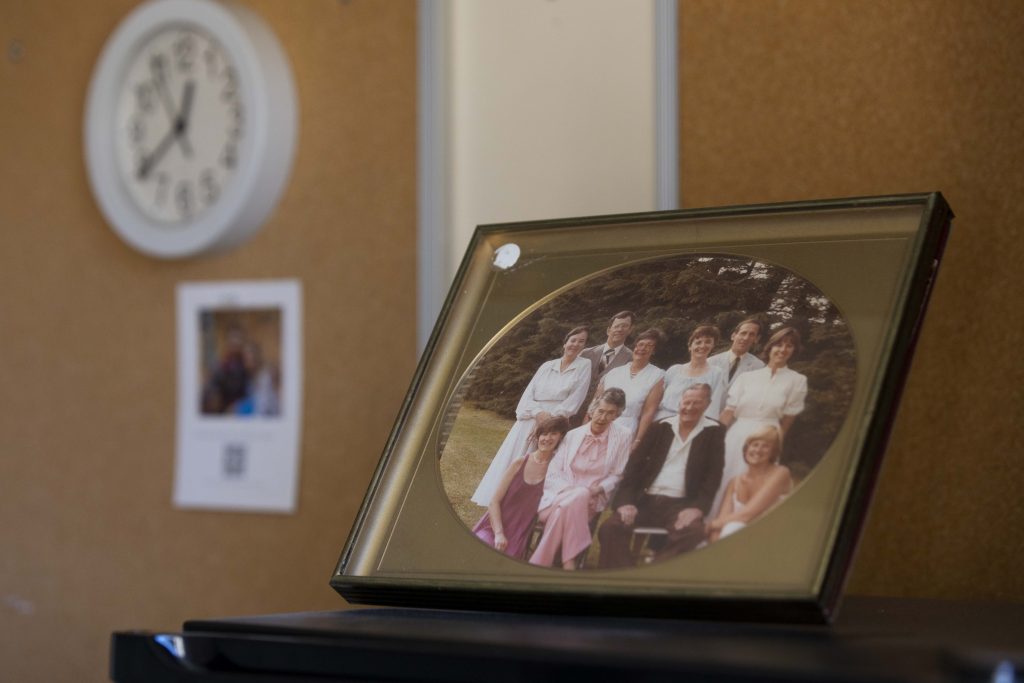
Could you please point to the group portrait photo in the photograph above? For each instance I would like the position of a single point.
(647, 411)
(239, 357)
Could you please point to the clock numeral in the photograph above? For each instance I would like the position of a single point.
(209, 187)
(230, 91)
(136, 130)
(210, 59)
(229, 157)
(144, 97)
(158, 65)
(163, 186)
(234, 129)
(185, 52)
(183, 199)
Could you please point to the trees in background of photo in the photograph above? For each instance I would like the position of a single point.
(677, 294)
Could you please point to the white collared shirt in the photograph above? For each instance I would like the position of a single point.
(764, 395)
(671, 481)
(555, 391)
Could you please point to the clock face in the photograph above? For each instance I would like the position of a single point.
(179, 122)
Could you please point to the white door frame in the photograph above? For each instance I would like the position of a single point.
(434, 189)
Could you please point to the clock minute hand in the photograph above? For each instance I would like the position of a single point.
(181, 122)
(159, 80)
(177, 132)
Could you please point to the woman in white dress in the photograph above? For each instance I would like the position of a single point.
(663, 400)
(558, 388)
(636, 379)
(771, 396)
(764, 483)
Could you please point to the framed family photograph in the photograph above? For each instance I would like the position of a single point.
(662, 414)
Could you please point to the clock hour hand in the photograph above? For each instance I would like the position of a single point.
(158, 153)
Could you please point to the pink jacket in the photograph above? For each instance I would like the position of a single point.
(560, 476)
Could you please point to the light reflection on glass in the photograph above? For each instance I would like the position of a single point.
(173, 644)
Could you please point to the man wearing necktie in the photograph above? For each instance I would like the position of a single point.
(737, 359)
(607, 356)
(580, 480)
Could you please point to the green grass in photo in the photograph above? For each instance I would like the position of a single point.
(475, 438)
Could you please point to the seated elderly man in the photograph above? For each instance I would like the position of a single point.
(581, 478)
(670, 482)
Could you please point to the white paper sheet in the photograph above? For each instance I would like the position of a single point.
(239, 395)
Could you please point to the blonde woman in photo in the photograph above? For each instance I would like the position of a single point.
(751, 494)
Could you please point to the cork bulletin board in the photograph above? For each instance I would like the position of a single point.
(800, 100)
(89, 541)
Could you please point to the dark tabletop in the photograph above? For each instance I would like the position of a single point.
(873, 639)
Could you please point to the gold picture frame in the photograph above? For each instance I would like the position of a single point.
(846, 281)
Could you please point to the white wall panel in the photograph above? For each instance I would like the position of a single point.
(538, 109)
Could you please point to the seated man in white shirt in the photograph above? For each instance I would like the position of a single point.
(669, 482)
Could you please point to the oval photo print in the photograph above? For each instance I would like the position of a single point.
(647, 411)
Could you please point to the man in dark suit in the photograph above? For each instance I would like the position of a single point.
(669, 483)
(604, 357)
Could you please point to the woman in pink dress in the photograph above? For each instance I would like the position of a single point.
(510, 516)
(581, 479)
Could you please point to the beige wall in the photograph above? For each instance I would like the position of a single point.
(799, 100)
(89, 542)
(564, 128)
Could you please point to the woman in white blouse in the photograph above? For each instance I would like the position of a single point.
(636, 379)
(558, 388)
(773, 395)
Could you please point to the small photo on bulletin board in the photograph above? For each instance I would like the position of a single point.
(240, 362)
(239, 395)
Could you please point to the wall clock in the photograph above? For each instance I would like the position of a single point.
(190, 126)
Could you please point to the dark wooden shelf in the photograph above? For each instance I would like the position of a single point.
(873, 640)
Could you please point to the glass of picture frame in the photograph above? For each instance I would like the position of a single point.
(516, 478)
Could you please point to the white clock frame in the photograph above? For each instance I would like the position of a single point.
(265, 150)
